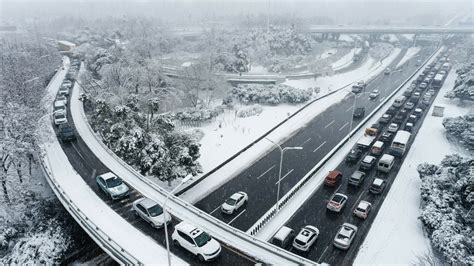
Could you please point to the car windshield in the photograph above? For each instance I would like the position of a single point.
(338, 198)
(230, 201)
(60, 116)
(202, 239)
(155, 210)
(113, 182)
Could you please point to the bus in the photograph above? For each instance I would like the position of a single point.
(399, 143)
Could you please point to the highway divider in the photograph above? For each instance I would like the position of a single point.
(290, 194)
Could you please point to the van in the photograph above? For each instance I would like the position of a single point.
(399, 101)
(283, 237)
(386, 163)
(377, 148)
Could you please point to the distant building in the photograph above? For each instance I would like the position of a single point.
(65, 46)
(438, 110)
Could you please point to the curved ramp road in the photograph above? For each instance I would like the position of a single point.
(260, 180)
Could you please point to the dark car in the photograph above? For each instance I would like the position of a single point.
(385, 119)
(391, 110)
(386, 137)
(398, 119)
(353, 156)
(66, 132)
(416, 97)
(423, 85)
(359, 112)
(377, 186)
(413, 118)
(404, 112)
(367, 163)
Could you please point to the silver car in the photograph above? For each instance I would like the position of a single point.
(151, 212)
(111, 185)
(345, 236)
(235, 202)
(306, 238)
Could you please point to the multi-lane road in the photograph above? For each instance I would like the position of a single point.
(317, 138)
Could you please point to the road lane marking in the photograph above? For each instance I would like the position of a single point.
(343, 126)
(302, 144)
(215, 210)
(236, 216)
(350, 108)
(357, 201)
(381, 99)
(75, 148)
(330, 123)
(323, 254)
(266, 172)
(322, 144)
(289, 172)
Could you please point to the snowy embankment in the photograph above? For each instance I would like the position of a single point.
(328, 53)
(396, 227)
(346, 60)
(88, 203)
(221, 142)
(411, 52)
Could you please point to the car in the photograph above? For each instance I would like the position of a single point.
(398, 119)
(359, 86)
(112, 185)
(63, 91)
(418, 62)
(151, 212)
(408, 92)
(345, 236)
(67, 83)
(61, 98)
(357, 178)
(60, 118)
(234, 202)
(66, 132)
(392, 110)
(359, 112)
(412, 118)
(196, 241)
(306, 238)
(374, 94)
(431, 91)
(409, 105)
(333, 178)
(416, 97)
(427, 96)
(353, 155)
(377, 186)
(408, 127)
(425, 103)
(403, 112)
(418, 112)
(337, 202)
(367, 163)
(59, 106)
(392, 128)
(387, 71)
(385, 118)
(363, 209)
(423, 85)
(386, 137)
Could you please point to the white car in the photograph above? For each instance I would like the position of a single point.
(196, 241)
(151, 212)
(374, 94)
(306, 238)
(112, 185)
(387, 71)
(63, 91)
(393, 128)
(60, 118)
(337, 202)
(362, 210)
(235, 202)
(59, 106)
(345, 236)
(62, 98)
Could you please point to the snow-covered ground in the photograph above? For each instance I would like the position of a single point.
(346, 38)
(411, 52)
(396, 236)
(346, 60)
(328, 53)
(409, 36)
(236, 133)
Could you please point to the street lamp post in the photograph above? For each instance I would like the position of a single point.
(356, 95)
(165, 214)
(282, 151)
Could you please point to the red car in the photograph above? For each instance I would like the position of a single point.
(333, 178)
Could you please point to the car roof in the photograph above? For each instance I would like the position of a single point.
(236, 195)
(147, 203)
(378, 181)
(346, 231)
(108, 176)
(363, 204)
(340, 195)
(334, 173)
(358, 173)
(188, 229)
(58, 103)
(306, 232)
(368, 159)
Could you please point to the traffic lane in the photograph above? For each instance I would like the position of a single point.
(267, 199)
(330, 225)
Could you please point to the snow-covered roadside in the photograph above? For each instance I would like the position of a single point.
(90, 205)
(346, 60)
(328, 53)
(234, 142)
(396, 227)
(411, 52)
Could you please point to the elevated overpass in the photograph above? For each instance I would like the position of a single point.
(390, 29)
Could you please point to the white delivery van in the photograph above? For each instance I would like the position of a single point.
(386, 163)
(399, 102)
(283, 237)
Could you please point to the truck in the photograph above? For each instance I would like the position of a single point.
(359, 86)
(369, 137)
(437, 81)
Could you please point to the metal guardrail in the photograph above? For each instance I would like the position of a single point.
(289, 195)
(105, 241)
(285, 255)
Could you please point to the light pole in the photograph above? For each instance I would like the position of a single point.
(282, 151)
(356, 95)
(165, 214)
